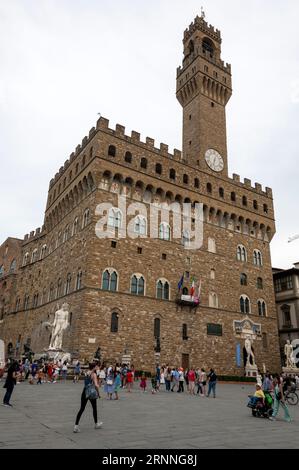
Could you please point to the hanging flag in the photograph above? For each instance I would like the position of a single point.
(181, 282)
(192, 290)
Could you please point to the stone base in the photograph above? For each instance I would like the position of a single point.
(57, 355)
(290, 370)
(251, 371)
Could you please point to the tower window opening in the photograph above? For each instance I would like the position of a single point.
(208, 47)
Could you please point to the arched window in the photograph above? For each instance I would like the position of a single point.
(255, 205)
(211, 245)
(137, 284)
(75, 226)
(79, 280)
(172, 174)
(233, 196)
(12, 268)
(164, 231)
(209, 188)
(43, 251)
(257, 258)
(35, 301)
(26, 302)
(140, 225)
(221, 192)
(185, 179)
(159, 168)
(34, 255)
(59, 288)
(66, 233)
(212, 274)
(186, 238)
(262, 310)
(128, 157)
(86, 218)
(196, 183)
(157, 328)
(143, 163)
(208, 47)
(184, 331)
(26, 259)
(68, 284)
(111, 151)
(114, 322)
(213, 300)
(244, 201)
(241, 253)
(109, 280)
(243, 279)
(18, 302)
(244, 304)
(114, 217)
(265, 207)
(162, 289)
(259, 283)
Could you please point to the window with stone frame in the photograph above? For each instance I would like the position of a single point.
(241, 253)
(172, 174)
(75, 226)
(12, 267)
(164, 231)
(213, 300)
(143, 163)
(259, 283)
(243, 279)
(114, 217)
(86, 218)
(286, 315)
(140, 225)
(79, 280)
(111, 151)
(109, 280)
(128, 157)
(68, 284)
(262, 309)
(257, 258)
(114, 322)
(137, 284)
(185, 331)
(163, 289)
(245, 306)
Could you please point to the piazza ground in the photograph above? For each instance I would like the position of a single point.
(43, 417)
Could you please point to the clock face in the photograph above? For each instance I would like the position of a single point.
(214, 160)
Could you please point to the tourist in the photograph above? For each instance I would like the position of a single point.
(212, 383)
(279, 399)
(117, 383)
(162, 377)
(203, 382)
(143, 382)
(267, 383)
(40, 376)
(175, 378)
(167, 376)
(77, 372)
(34, 368)
(181, 380)
(191, 381)
(90, 392)
(26, 368)
(55, 373)
(64, 370)
(158, 376)
(124, 371)
(109, 386)
(10, 382)
(101, 375)
(130, 378)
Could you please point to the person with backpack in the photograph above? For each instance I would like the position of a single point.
(279, 400)
(212, 377)
(91, 392)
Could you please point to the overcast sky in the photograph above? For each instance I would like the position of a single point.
(64, 61)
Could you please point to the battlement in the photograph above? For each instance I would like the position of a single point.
(226, 67)
(34, 234)
(200, 24)
(135, 138)
(247, 184)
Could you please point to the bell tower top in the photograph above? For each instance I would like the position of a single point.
(203, 89)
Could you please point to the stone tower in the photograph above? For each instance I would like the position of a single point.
(203, 90)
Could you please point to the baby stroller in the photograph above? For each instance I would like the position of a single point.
(261, 408)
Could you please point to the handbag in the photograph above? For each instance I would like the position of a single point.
(91, 392)
(109, 382)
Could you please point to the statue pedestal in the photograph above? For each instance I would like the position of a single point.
(291, 370)
(251, 371)
(58, 355)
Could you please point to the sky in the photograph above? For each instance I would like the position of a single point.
(64, 61)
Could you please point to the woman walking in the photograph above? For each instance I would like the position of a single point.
(77, 372)
(90, 392)
(10, 383)
(212, 383)
(279, 401)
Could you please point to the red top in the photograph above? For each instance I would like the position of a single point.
(129, 377)
(191, 375)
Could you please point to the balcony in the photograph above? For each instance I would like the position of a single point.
(187, 301)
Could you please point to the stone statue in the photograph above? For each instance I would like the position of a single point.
(289, 353)
(61, 322)
(249, 351)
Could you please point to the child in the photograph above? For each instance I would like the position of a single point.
(154, 385)
(143, 382)
(117, 384)
(40, 376)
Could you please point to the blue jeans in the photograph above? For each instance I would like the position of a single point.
(9, 390)
(212, 388)
(277, 404)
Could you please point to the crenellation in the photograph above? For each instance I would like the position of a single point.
(236, 178)
(31, 234)
(84, 141)
(66, 164)
(78, 150)
(269, 192)
(72, 157)
(37, 231)
(164, 148)
(258, 187)
(120, 129)
(177, 154)
(150, 142)
(26, 237)
(247, 182)
(135, 136)
(102, 123)
(91, 132)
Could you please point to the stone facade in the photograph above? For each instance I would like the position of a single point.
(64, 261)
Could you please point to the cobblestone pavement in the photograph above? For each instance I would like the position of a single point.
(43, 417)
